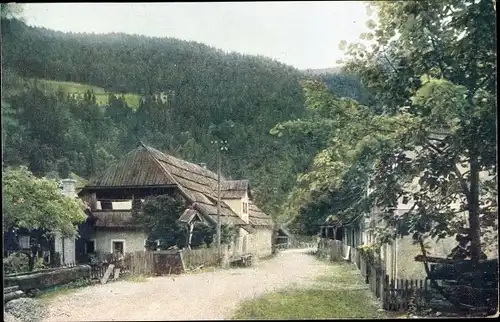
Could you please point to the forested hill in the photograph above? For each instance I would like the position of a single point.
(211, 94)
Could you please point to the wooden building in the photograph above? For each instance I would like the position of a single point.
(283, 237)
(145, 172)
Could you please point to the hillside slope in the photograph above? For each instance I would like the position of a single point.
(212, 94)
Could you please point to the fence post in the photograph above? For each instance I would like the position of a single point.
(367, 268)
(392, 290)
(397, 294)
(420, 294)
(385, 291)
(425, 290)
(406, 297)
(411, 300)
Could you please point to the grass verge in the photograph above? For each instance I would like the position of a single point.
(55, 291)
(136, 278)
(340, 293)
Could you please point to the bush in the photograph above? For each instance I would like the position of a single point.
(16, 263)
(39, 265)
(93, 259)
(202, 235)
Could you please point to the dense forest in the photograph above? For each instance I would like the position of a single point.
(211, 94)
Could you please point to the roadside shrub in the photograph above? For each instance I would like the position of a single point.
(16, 263)
(93, 259)
(80, 283)
(39, 265)
(202, 235)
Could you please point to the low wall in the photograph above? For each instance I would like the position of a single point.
(46, 278)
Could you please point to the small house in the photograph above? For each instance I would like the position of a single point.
(283, 237)
(145, 172)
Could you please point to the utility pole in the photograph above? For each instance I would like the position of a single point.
(220, 146)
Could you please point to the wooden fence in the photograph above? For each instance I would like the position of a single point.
(395, 294)
(194, 258)
(97, 271)
(134, 263)
(149, 263)
(139, 263)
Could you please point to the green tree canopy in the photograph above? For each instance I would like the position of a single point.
(158, 216)
(37, 203)
(437, 60)
(431, 132)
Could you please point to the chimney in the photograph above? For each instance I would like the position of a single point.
(68, 187)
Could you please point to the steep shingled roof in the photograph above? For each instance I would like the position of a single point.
(136, 168)
(235, 189)
(257, 217)
(146, 166)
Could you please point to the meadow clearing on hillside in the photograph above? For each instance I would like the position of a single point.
(100, 93)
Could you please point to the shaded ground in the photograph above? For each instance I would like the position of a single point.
(201, 296)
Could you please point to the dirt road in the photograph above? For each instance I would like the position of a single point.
(199, 296)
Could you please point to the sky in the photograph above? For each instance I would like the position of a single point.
(302, 34)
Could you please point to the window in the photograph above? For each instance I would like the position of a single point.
(245, 207)
(106, 205)
(24, 242)
(117, 246)
(122, 205)
(90, 246)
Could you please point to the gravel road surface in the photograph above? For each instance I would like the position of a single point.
(197, 296)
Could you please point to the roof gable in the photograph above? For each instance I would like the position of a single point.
(235, 189)
(136, 168)
(146, 166)
(257, 217)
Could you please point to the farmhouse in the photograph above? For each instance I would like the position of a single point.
(145, 172)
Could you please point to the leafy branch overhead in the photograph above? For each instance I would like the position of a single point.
(427, 144)
(37, 203)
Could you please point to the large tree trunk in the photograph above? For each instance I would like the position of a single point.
(474, 221)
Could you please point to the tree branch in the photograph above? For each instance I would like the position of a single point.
(390, 63)
(459, 175)
(476, 88)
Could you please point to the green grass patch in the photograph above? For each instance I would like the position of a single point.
(55, 291)
(100, 93)
(70, 87)
(136, 278)
(132, 100)
(309, 304)
(340, 293)
(341, 274)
